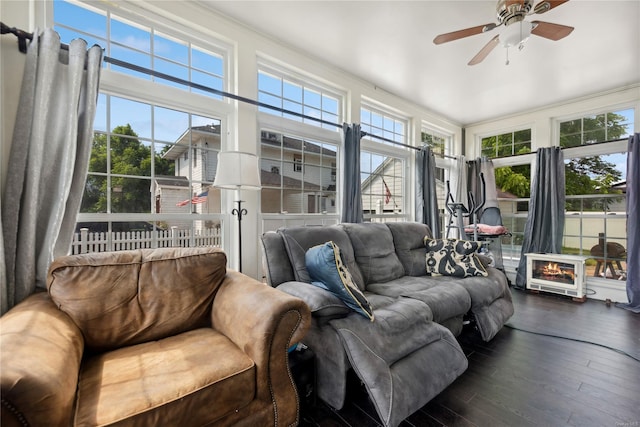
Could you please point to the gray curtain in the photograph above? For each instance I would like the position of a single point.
(351, 189)
(474, 183)
(426, 194)
(545, 222)
(633, 225)
(49, 160)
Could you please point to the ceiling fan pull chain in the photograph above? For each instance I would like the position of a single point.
(507, 61)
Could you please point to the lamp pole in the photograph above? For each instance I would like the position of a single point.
(239, 212)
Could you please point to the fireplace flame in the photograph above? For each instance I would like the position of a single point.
(551, 269)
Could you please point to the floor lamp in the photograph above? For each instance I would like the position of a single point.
(237, 170)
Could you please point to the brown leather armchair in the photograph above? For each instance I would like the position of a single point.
(150, 337)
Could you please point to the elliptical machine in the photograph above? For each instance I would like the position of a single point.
(458, 211)
(491, 243)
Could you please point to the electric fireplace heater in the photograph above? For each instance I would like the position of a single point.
(557, 273)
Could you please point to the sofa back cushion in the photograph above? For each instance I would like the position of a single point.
(408, 239)
(129, 297)
(374, 251)
(297, 240)
(275, 261)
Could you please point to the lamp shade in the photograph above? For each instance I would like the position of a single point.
(237, 170)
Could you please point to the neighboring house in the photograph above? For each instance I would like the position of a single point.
(195, 155)
(289, 184)
(297, 176)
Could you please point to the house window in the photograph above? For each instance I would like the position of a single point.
(286, 91)
(378, 123)
(297, 162)
(303, 187)
(143, 45)
(507, 144)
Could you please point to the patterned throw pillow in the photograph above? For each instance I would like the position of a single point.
(453, 257)
(327, 271)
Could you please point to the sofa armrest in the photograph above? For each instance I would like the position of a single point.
(323, 304)
(40, 352)
(263, 322)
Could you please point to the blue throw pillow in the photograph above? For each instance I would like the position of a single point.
(327, 271)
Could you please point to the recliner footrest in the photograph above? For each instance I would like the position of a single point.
(403, 358)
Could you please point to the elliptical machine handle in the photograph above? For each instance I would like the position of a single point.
(449, 196)
(483, 193)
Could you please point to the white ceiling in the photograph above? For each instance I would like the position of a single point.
(390, 44)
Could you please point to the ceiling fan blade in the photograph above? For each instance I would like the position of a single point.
(485, 51)
(550, 31)
(455, 35)
(545, 6)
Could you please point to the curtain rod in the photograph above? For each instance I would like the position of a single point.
(23, 36)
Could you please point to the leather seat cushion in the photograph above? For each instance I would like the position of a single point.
(189, 379)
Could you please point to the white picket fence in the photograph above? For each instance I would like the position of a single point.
(86, 242)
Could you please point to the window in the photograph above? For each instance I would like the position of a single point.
(377, 123)
(304, 151)
(607, 126)
(142, 189)
(131, 162)
(595, 167)
(303, 188)
(382, 164)
(507, 144)
(142, 45)
(299, 96)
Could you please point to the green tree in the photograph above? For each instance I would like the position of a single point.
(514, 180)
(127, 156)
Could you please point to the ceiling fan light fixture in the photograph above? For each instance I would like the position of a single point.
(516, 34)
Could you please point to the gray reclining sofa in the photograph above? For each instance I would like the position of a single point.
(408, 353)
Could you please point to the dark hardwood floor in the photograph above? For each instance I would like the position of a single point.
(589, 378)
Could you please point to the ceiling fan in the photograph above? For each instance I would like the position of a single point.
(511, 14)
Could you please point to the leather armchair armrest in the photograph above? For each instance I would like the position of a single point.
(263, 322)
(40, 351)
